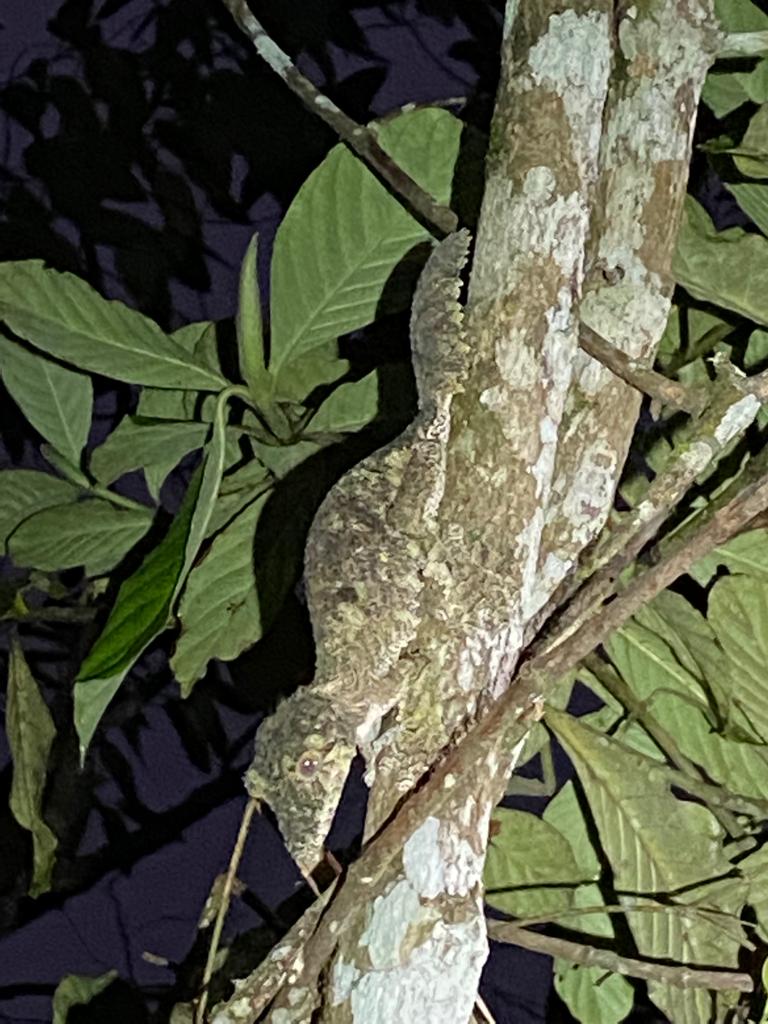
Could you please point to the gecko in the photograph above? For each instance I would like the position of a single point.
(367, 557)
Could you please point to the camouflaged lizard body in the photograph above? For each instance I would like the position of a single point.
(369, 552)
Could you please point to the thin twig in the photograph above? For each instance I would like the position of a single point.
(226, 895)
(359, 138)
(680, 976)
(641, 378)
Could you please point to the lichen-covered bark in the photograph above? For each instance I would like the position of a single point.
(588, 162)
(664, 51)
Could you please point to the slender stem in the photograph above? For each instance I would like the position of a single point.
(226, 896)
(359, 138)
(679, 975)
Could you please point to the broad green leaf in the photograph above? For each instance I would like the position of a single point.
(237, 490)
(24, 492)
(69, 470)
(92, 533)
(219, 610)
(339, 242)
(65, 317)
(710, 264)
(738, 613)
(155, 447)
(349, 407)
(199, 340)
(740, 16)
(530, 869)
(751, 154)
(708, 940)
(688, 635)
(30, 732)
(723, 92)
(655, 844)
(593, 995)
(754, 867)
(250, 340)
(690, 335)
(56, 401)
(281, 459)
(76, 989)
(747, 553)
(648, 664)
(141, 611)
(753, 199)
(564, 813)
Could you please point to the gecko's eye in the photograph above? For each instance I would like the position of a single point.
(308, 764)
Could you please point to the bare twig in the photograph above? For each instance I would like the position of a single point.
(681, 976)
(359, 138)
(226, 895)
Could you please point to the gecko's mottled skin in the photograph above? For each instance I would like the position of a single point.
(367, 555)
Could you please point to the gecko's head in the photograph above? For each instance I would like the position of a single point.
(303, 755)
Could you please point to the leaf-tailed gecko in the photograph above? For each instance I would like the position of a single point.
(367, 557)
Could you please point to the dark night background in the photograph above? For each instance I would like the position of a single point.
(142, 144)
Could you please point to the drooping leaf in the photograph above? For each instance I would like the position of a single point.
(30, 732)
(751, 153)
(339, 242)
(655, 844)
(141, 611)
(76, 989)
(26, 491)
(753, 199)
(349, 407)
(92, 533)
(219, 610)
(237, 490)
(746, 553)
(710, 264)
(530, 869)
(199, 340)
(55, 400)
(65, 317)
(155, 447)
(738, 613)
(592, 994)
(564, 813)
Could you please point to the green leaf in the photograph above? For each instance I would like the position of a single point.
(219, 610)
(91, 533)
(710, 264)
(199, 340)
(746, 553)
(530, 869)
(723, 92)
(237, 490)
(56, 401)
(24, 492)
(564, 812)
(655, 844)
(592, 994)
(75, 989)
(140, 613)
(30, 732)
(339, 242)
(65, 317)
(250, 340)
(738, 613)
(648, 664)
(753, 199)
(155, 447)
(349, 407)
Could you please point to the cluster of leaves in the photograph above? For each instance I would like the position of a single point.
(220, 569)
(656, 842)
